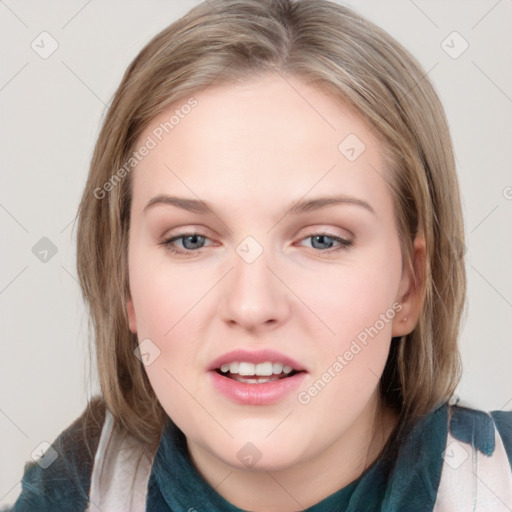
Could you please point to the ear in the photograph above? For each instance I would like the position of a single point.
(410, 294)
(130, 310)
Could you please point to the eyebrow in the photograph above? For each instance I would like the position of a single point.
(298, 207)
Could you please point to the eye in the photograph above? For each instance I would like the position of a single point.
(191, 242)
(321, 240)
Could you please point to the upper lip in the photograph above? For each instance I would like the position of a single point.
(255, 356)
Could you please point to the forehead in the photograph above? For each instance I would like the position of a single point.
(273, 137)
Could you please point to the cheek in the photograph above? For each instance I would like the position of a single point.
(171, 304)
(351, 298)
(357, 306)
(166, 305)
(163, 295)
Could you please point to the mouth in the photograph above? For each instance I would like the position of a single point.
(261, 377)
(260, 373)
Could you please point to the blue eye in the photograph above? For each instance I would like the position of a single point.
(192, 243)
(324, 239)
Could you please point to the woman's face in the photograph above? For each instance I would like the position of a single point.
(265, 271)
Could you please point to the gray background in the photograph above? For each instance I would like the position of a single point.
(51, 112)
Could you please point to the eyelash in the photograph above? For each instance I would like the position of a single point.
(168, 244)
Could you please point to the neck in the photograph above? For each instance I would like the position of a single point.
(309, 481)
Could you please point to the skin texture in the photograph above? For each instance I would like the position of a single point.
(250, 150)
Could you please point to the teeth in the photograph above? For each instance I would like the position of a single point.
(265, 369)
(277, 368)
(246, 369)
(255, 380)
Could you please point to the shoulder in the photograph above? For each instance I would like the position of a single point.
(477, 460)
(456, 457)
(503, 424)
(61, 477)
(487, 432)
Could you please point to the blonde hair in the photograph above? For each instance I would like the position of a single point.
(326, 45)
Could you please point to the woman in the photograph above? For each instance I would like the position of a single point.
(269, 244)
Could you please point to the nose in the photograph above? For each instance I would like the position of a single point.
(254, 296)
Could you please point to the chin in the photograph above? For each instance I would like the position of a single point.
(261, 454)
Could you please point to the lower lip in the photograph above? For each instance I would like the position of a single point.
(266, 393)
